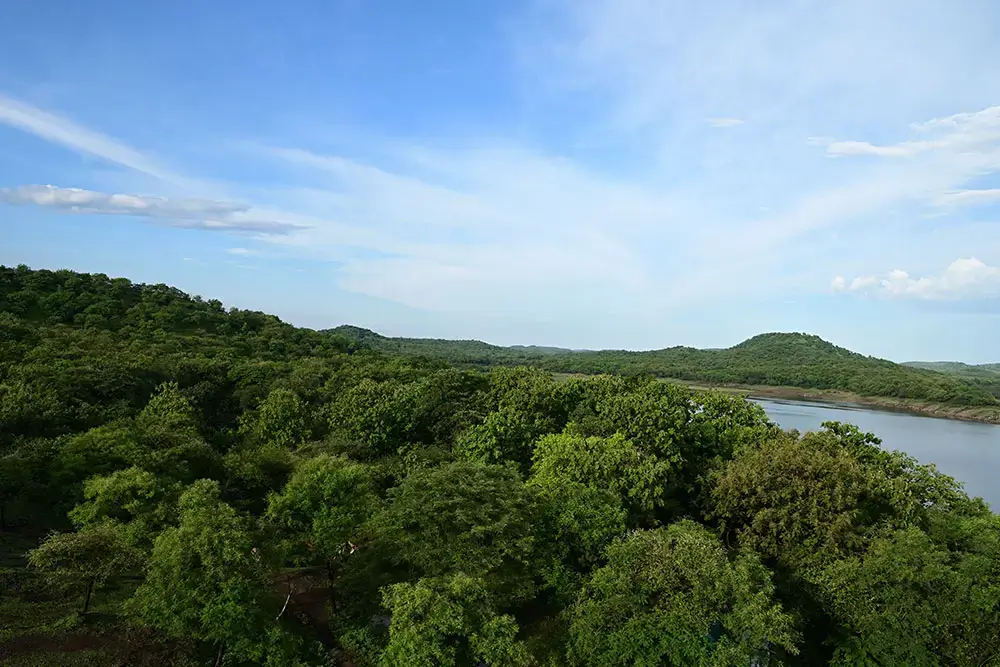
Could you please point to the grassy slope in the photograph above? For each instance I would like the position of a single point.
(769, 365)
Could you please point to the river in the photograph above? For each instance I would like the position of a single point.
(967, 451)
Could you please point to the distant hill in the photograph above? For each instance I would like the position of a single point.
(772, 359)
(957, 368)
(462, 352)
(984, 376)
(541, 349)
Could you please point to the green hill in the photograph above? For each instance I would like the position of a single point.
(957, 368)
(462, 352)
(984, 376)
(68, 305)
(771, 359)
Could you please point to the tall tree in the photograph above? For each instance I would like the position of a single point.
(672, 596)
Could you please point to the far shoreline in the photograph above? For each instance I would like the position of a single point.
(834, 397)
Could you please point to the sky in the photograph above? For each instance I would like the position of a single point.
(628, 174)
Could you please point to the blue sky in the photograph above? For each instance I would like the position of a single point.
(585, 173)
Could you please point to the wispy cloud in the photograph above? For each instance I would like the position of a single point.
(969, 197)
(967, 278)
(244, 252)
(478, 229)
(65, 132)
(976, 132)
(184, 212)
(725, 122)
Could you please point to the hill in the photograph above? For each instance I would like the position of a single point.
(772, 359)
(957, 368)
(461, 352)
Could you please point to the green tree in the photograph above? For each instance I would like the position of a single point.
(462, 517)
(138, 500)
(282, 419)
(378, 416)
(576, 524)
(252, 472)
(207, 580)
(673, 596)
(523, 404)
(910, 601)
(449, 622)
(94, 555)
(640, 479)
(324, 503)
(793, 500)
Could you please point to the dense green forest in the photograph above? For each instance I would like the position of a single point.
(776, 359)
(986, 376)
(957, 368)
(187, 485)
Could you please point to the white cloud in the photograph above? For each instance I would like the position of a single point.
(725, 122)
(977, 132)
(59, 130)
(796, 63)
(185, 212)
(966, 278)
(245, 252)
(905, 149)
(516, 227)
(969, 197)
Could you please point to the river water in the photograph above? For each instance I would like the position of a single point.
(967, 451)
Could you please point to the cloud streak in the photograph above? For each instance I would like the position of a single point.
(976, 132)
(969, 197)
(62, 131)
(725, 122)
(188, 213)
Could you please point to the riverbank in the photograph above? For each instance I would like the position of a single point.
(982, 415)
(985, 415)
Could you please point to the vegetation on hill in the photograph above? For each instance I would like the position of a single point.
(186, 485)
(984, 376)
(774, 359)
(957, 368)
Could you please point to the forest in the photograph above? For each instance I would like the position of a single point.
(184, 484)
(774, 359)
(986, 376)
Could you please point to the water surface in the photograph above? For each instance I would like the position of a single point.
(967, 451)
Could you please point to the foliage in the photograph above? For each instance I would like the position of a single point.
(324, 503)
(239, 491)
(638, 479)
(282, 419)
(778, 359)
(97, 553)
(462, 517)
(448, 621)
(206, 580)
(792, 500)
(673, 596)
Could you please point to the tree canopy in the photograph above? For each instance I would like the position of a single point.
(244, 492)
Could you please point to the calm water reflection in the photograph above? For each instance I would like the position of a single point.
(967, 451)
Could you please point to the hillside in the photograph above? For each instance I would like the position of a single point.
(68, 305)
(772, 359)
(957, 368)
